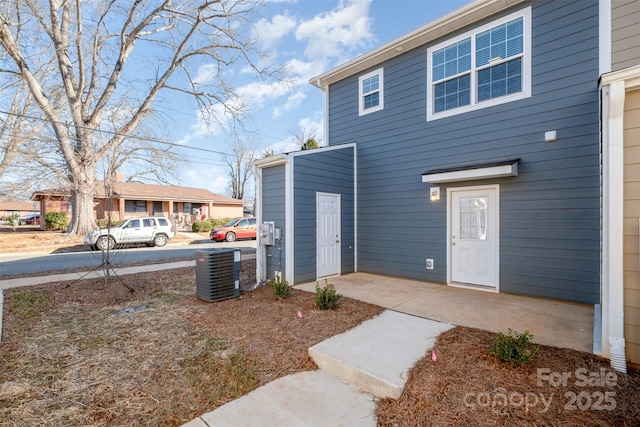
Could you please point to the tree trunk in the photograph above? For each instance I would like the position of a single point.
(82, 204)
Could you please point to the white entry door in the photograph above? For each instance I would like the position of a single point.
(328, 234)
(474, 236)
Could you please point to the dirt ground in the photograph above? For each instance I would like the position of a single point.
(28, 238)
(142, 350)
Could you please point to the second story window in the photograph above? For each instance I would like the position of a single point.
(486, 66)
(371, 94)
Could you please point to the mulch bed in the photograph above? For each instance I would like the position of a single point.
(467, 386)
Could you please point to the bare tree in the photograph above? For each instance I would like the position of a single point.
(24, 156)
(119, 55)
(305, 138)
(240, 171)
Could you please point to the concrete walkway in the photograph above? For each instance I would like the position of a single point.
(371, 360)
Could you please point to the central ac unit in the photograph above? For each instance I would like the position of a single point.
(218, 274)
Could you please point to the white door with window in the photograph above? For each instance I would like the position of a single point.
(474, 236)
(328, 234)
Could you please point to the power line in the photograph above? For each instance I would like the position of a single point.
(172, 144)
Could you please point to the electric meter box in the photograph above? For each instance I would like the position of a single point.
(266, 233)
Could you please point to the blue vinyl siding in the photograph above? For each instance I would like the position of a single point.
(273, 209)
(327, 172)
(549, 213)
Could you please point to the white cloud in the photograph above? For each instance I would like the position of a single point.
(213, 178)
(256, 93)
(270, 32)
(348, 25)
(293, 102)
(314, 127)
(286, 145)
(206, 73)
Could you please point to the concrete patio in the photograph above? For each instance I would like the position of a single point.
(556, 323)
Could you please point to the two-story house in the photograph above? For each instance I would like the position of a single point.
(466, 153)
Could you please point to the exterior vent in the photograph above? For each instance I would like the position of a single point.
(218, 274)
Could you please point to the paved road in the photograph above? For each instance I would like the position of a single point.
(46, 263)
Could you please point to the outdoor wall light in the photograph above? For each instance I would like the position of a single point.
(550, 136)
(434, 194)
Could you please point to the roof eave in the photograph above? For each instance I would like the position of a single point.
(270, 161)
(459, 18)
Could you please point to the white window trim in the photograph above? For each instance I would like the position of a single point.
(526, 68)
(361, 110)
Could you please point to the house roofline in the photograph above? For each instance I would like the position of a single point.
(283, 158)
(459, 18)
(276, 160)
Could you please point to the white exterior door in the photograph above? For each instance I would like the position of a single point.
(328, 234)
(474, 236)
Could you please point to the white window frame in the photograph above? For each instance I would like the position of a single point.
(361, 109)
(475, 105)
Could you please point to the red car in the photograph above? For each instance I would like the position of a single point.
(33, 219)
(239, 228)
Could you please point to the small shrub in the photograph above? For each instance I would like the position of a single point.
(218, 222)
(14, 220)
(201, 226)
(327, 297)
(514, 348)
(281, 290)
(56, 221)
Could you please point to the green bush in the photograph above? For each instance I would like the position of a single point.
(14, 220)
(56, 221)
(514, 348)
(281, 290)
(201, 226)
(218, 222)
(327, 297)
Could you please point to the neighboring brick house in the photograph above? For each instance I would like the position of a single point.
(132, 199)
(20, 208)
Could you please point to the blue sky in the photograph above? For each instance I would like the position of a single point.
(307, 37)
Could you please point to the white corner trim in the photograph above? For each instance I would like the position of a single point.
(604, 35)
(470, 174)
(261, 272)
(288, 221)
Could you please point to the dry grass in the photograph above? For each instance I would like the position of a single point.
(30, 239)
(96, 354)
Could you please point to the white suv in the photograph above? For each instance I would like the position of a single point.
(153, 231)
